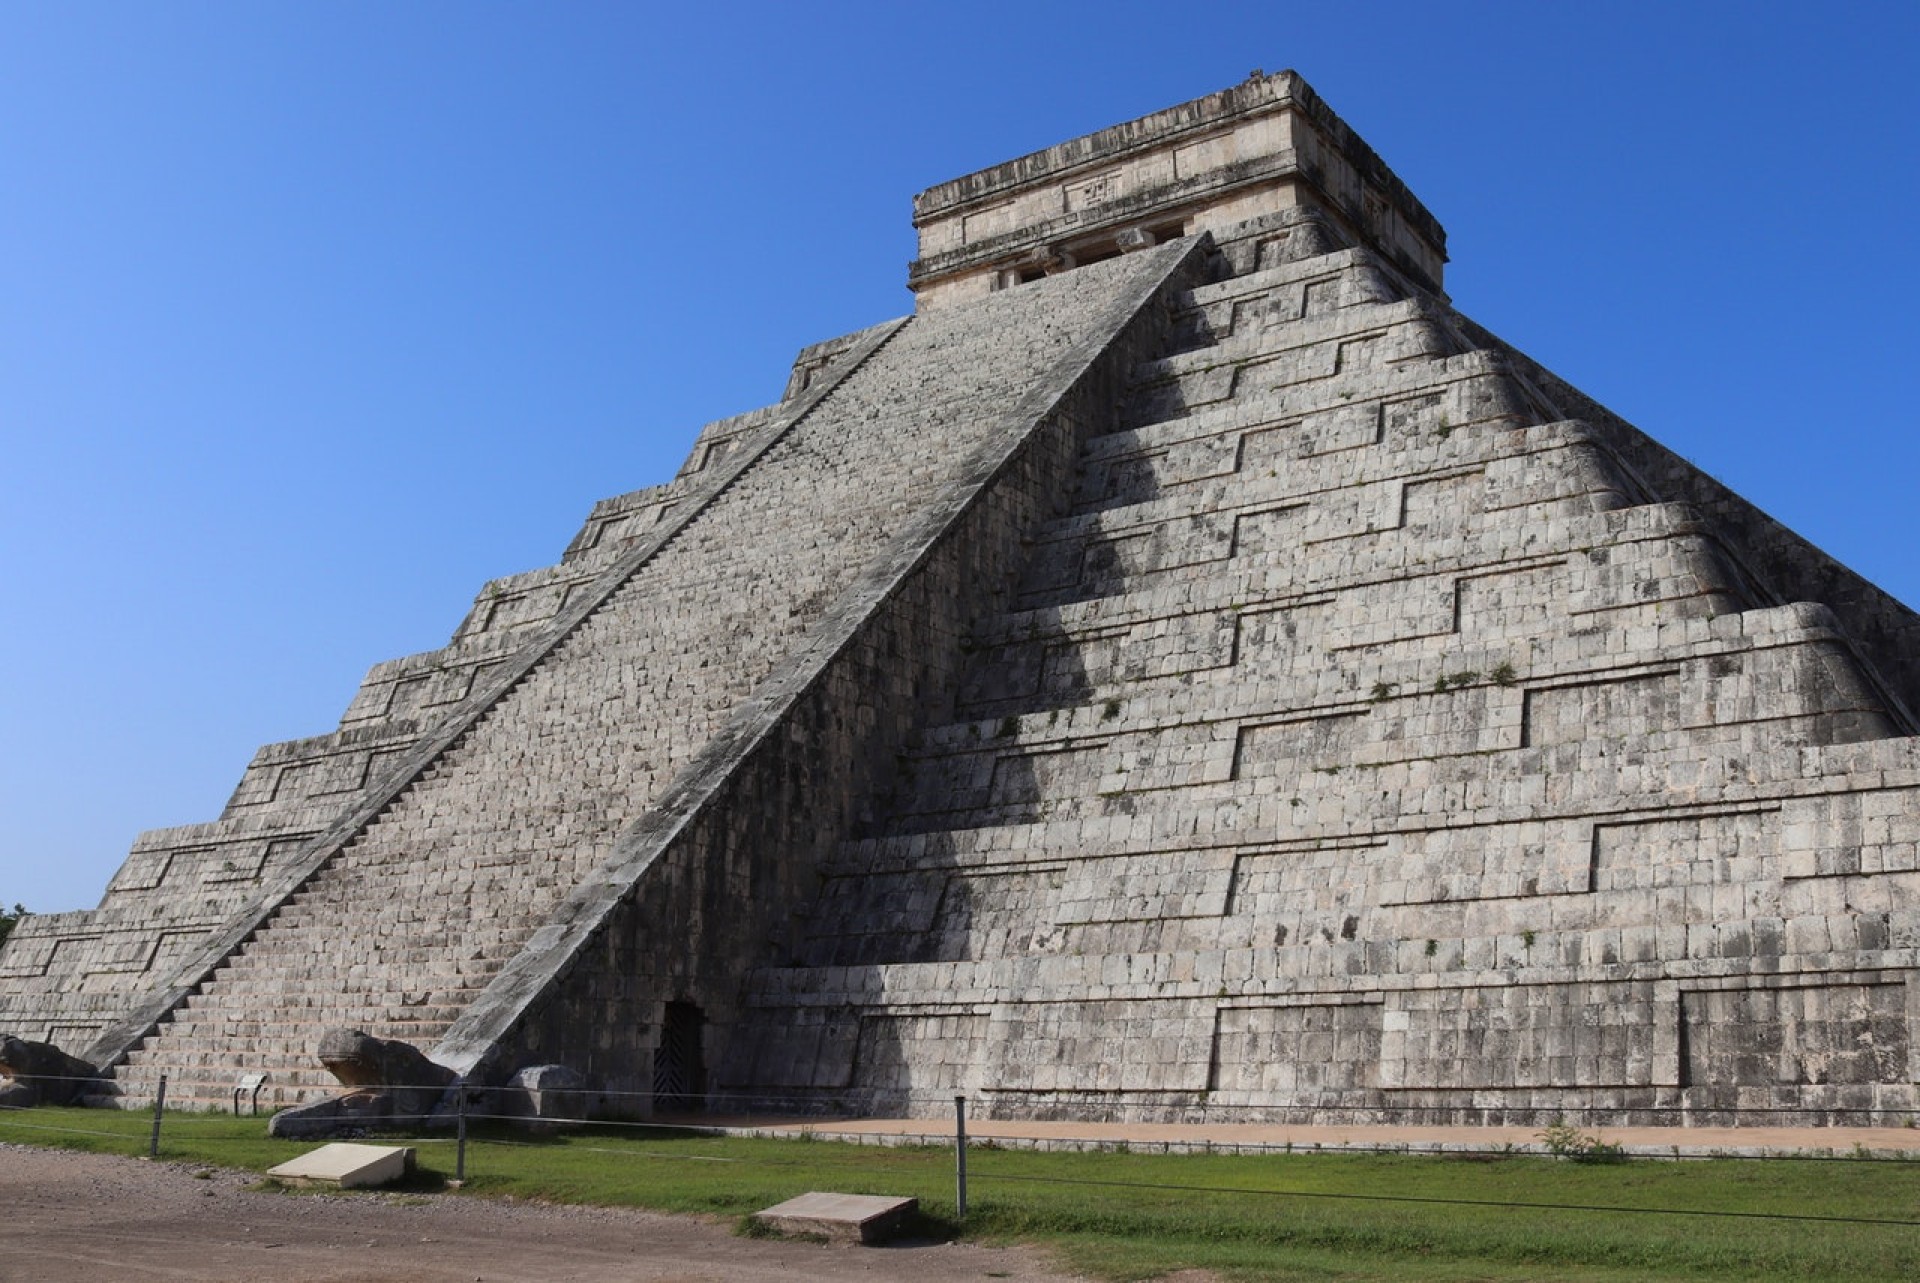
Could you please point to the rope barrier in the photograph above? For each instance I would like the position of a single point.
(987, 1174)
(810, 1127)
(1455, 1202)
(72, 1131)
(1176, 1111)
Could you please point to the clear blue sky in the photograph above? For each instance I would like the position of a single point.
(313, 318)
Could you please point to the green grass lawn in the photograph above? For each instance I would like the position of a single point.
(1134, 1216)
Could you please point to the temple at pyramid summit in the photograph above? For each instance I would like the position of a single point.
(1185, 665)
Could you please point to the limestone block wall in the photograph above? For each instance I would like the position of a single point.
(1783, 565)
(1372, 739)
(1206, 165)
(66, 977)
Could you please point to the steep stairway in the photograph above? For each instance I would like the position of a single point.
(399, 930)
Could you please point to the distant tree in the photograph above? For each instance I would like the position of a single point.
(7, 919)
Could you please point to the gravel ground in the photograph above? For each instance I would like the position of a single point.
(85, 1218)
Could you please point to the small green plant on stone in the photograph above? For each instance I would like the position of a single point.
(1526, 938)
(1009, 727)
(1563, 1140)
(1111, 711)
(1383, 691)
(1503, 675)
(9, 919)
(1433, 947)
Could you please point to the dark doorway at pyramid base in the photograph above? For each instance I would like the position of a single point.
(679, 1070)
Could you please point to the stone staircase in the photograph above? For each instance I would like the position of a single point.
(401, 928)
(66, 977)
(1312, 736)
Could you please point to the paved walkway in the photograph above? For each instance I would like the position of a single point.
(1681, 1142)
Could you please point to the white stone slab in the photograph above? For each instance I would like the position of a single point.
(348, 1166)
(864, 1218)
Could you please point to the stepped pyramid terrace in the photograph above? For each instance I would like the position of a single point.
(1184, 665)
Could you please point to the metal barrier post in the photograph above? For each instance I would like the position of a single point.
(460, 1152)
(960, 1155)
(159, 1103)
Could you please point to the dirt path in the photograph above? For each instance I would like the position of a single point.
(82, 1218)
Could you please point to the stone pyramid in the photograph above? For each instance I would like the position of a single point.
(1186, 665)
